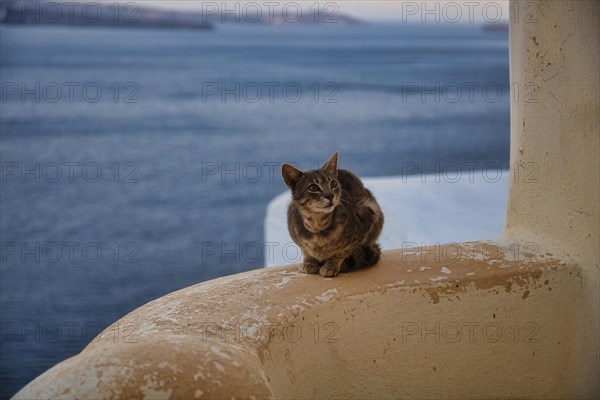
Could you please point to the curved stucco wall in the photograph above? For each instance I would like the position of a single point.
(479, 322)
(556, 130)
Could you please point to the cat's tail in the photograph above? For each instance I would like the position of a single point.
(363, 257)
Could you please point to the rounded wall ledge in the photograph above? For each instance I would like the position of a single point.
(467, 320)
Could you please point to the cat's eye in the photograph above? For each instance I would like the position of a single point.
(333, 184)
(313, 188)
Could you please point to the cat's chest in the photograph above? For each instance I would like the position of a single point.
(316, 225)
(322, 243)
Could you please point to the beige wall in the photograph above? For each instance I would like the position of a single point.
(476, 320)
(557, 130)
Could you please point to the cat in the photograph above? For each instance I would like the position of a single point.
(333, 218)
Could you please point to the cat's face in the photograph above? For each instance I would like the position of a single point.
(315, 191)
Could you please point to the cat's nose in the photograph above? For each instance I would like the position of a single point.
(329, 196)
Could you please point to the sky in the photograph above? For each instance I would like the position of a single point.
(461, 11)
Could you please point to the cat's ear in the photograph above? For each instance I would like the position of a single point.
(291, 175)
(331, 164)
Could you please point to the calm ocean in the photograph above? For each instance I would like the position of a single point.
(138, 162)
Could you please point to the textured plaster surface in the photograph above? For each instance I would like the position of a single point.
(556, 129)
(415, 325)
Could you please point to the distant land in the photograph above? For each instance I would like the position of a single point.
(26, 12)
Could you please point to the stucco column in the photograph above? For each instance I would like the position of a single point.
(554, 194)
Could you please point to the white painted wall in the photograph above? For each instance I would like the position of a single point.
(427, 209)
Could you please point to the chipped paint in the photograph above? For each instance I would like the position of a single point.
(327, 295)
(438, 278)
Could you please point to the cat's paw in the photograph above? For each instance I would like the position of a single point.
(309, 268)
(328, 271)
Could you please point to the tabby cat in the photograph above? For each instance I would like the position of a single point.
(333, 218)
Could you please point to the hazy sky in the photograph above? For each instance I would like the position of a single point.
(464, 11)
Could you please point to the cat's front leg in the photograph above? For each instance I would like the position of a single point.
(310, 265)
(331, 267)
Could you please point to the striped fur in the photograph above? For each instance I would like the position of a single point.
(333, 218)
